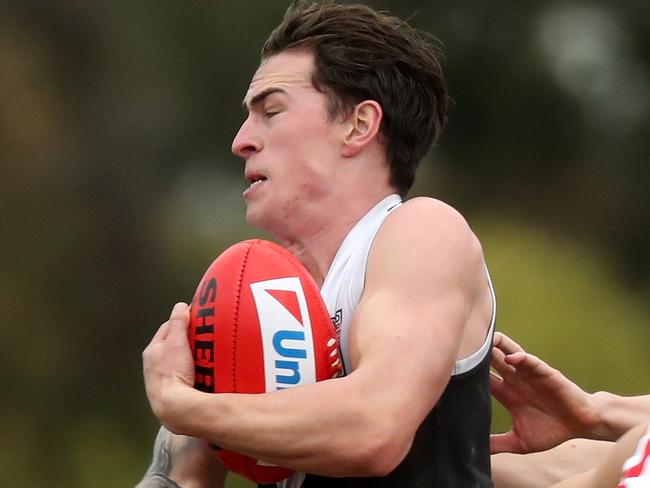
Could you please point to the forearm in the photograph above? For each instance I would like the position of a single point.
(608, 472)
(542, 469)
(160, 469)
(618, 414)
(180, 461)
(330, 428)
(156, 480)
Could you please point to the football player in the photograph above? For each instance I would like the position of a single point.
(343, 107)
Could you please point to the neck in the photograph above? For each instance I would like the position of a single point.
(317, 241)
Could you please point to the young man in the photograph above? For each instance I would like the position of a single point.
(567, 432)
(344, 105)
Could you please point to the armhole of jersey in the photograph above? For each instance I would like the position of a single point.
(350, 296)
(470, 362)
(389, 210)
(346, 260)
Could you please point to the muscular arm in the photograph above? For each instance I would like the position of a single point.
(425, 277)
(180, 461)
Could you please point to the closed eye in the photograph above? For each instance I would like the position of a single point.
(268, 113)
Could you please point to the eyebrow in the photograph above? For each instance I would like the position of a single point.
(259, 98)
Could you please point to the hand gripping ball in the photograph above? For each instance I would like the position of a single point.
(258, 324)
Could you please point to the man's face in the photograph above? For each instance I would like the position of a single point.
(288, 142)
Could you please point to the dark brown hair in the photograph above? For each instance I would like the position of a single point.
(361, 54)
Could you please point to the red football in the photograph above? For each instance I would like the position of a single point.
(258, 324)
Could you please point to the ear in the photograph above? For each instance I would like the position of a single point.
(362, 127)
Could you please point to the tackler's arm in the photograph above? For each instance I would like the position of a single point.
(181, 461)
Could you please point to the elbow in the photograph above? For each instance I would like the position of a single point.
(380, 453)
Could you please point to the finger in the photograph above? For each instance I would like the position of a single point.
(508, 346)
(499, 363)
(516, 359)
(161, 333)
(159, 337)
(504, 443)
(496, 382)
(179, 320)
(528, 364)
(495, 375)
(502, 391)
(497, 354)
(179, 312)
(505, 382)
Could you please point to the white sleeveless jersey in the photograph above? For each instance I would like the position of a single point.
(345, 281)
(346, 276)
(344, 284)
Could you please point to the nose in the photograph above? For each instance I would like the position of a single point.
(245, 143)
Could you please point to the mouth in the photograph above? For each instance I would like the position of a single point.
(254, 177)
(256, 180)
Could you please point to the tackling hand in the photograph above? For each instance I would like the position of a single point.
(545, 406)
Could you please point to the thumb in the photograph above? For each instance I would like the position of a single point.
(504, 443)
(179, 321)
(178, 345)
(180, 314)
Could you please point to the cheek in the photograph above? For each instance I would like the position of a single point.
(314, 176)
(311, 190)
(307, 167)
(314, 192)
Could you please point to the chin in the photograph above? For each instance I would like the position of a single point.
(258, 219)
(269, 224)
(251, 217)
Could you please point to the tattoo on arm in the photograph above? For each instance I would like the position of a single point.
(181, 460)
(157, 476)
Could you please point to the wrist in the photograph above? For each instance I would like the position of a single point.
(173, 406)
(605, 427)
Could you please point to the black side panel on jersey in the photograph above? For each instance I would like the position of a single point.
(452, 446)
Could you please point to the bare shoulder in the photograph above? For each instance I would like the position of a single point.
(428, 225)
(429, 204)
(428, 242)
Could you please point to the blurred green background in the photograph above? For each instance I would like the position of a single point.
(118, 189)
